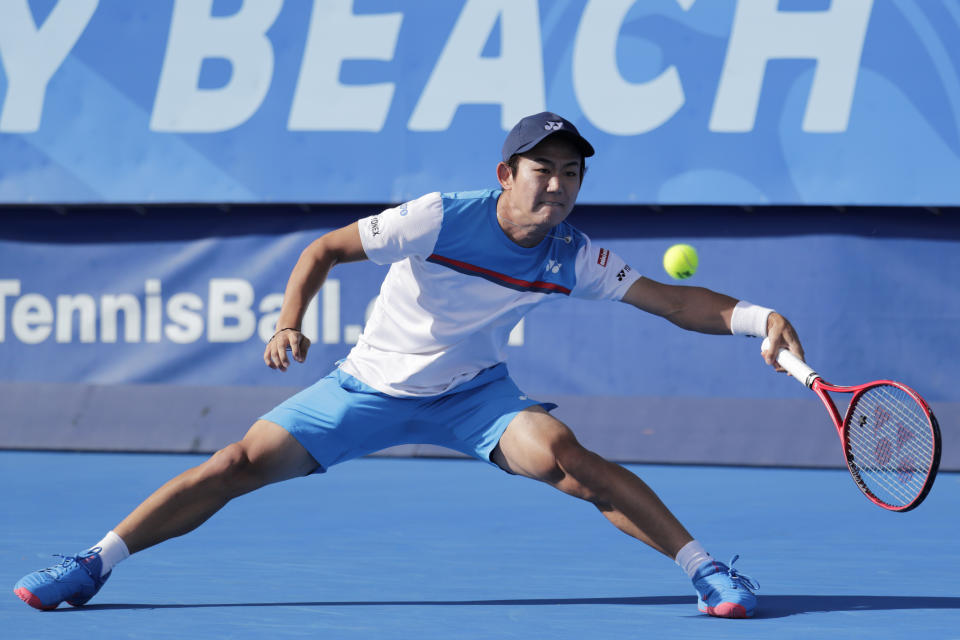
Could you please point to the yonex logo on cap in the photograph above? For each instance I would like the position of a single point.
(553, 125)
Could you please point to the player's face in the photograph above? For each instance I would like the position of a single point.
(544, 187)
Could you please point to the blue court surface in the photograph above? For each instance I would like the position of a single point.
(449, 548)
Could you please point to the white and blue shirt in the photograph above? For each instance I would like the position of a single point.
(458, 285)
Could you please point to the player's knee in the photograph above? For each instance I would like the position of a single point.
(231, 469)
(571, 456)
(580, 475)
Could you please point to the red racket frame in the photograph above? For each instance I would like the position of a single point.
(823, 390)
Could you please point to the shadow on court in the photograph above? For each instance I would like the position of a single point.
(783, 606)
(533, 602)
(771, 606)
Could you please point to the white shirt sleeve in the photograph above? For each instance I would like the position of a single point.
(602, 274)
(410, 229)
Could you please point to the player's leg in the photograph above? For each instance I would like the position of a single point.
(538, 446)
(267, 454)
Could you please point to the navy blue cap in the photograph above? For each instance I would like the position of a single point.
(530, 131)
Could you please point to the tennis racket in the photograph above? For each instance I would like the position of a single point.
(890, 436)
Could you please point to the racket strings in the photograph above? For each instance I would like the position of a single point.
(886, 438)
(884, 442)
(906, 436)
(890, 444)
(896, 485)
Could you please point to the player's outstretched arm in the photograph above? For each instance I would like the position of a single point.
(691, 308)
(706, 311)
(308, 275)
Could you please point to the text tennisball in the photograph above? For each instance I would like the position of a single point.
(680, 261)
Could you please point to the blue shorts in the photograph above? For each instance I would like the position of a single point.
(340, 418)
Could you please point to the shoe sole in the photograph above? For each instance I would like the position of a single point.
(727, 610)
(33, 600)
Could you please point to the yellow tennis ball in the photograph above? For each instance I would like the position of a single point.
(680, 261)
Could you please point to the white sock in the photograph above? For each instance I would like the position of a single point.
(112, 550)
(691, 556)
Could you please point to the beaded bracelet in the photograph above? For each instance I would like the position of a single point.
(279, 331)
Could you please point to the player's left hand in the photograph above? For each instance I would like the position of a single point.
(275, 354)
(782, 335)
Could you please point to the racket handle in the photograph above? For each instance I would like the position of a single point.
(794, 365)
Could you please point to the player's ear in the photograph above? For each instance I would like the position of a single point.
(505, 175)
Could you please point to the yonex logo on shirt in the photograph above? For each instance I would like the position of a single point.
(553, 266)
(375, 225)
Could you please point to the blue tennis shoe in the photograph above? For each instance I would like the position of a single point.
(75, 579)
(723, 591)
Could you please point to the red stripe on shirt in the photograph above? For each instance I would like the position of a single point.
(515, 282)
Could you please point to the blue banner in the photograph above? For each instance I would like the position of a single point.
(190, 296)
(336, 101)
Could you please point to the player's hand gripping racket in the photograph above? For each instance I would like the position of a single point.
(890, 436)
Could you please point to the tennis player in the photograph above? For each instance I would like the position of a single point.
(429, 366)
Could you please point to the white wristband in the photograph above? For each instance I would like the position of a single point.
(749, 320)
